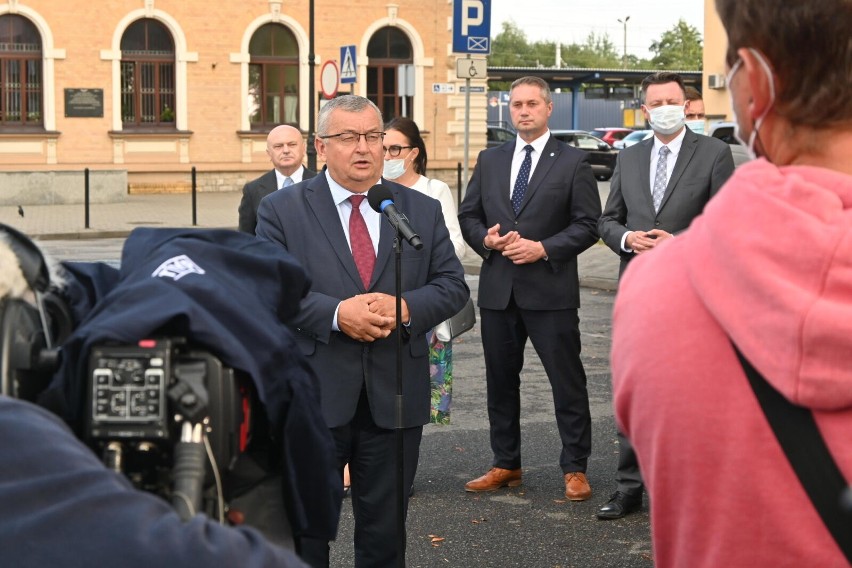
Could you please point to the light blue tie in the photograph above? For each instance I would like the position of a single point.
(660, 178)
(288, 181)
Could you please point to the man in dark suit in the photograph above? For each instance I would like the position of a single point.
(286, 148)
(531, 207)
(346, 324)
(659, 186)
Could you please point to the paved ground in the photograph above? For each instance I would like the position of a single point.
(529, 526)
(598, 266)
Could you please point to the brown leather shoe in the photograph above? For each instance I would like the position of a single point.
(496, 478)
(577, 487)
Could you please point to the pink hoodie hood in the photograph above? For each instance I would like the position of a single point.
(782, 288)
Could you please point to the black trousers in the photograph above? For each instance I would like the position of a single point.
(628, 477)
(371, 453)
(555, 335)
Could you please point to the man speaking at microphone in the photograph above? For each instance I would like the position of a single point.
(347, 322)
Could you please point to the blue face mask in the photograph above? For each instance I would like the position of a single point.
(748, 143)
(394, 169)
(696, 126)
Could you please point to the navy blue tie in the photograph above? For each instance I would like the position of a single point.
(522, 180)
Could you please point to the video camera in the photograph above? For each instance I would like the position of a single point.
(165, 413)
(171, 418)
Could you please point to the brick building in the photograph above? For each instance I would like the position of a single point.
(150, 88)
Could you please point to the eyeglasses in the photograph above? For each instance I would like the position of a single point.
(395, 150)
(352, 138)
(695, 117)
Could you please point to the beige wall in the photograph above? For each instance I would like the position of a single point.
(81, 50)
(716, 101)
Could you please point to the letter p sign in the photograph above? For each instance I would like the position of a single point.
(472, 26)
(473, 13)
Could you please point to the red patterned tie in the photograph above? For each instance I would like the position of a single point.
(359, 240)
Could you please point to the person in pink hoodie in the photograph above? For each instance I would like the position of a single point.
(767, 267)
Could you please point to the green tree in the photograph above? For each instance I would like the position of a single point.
(598, 51)
(680, 48)
(510, 48)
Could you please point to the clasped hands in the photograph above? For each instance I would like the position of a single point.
(514, 247)
(643, 241)
(371, 316)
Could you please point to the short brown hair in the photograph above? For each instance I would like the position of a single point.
(661, 78)
(535, 82)
(692, 94)
(808, 46)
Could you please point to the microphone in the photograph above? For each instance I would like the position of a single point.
(380, 199)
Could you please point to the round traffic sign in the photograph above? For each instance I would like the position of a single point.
(329, 79)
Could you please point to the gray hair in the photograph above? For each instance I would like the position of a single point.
(348, 103)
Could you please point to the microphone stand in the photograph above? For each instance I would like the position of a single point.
(400, 446)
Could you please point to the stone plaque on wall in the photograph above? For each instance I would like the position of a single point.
(84, 103)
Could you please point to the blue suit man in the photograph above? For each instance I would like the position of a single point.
(346, 324)
(531, 207)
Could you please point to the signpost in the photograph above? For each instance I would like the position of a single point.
(348, 65)
(471, 34)
(329, 79)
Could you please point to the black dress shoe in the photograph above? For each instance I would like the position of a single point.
(619, 505)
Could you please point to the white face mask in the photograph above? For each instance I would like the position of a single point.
(696, 126)
(394, 168)
(749, 144)
(667, 119)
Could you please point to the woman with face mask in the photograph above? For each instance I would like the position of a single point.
(405, 163)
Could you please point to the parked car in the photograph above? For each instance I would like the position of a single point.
(633, 138)
(601, 154)
(610, 134)
(724, 131)
(497, 135)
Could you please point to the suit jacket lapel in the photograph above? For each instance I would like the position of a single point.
(646, 147)
(548, 157)
(384, 255)
(503, 177)
(687, 150)
(318, 198)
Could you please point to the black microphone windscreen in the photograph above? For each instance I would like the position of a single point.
(377, 194)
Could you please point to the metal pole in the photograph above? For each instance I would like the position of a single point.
(459, 181)
(86, 199)
(194, 201)
(466, 125)
(624, 56)
(312, 151)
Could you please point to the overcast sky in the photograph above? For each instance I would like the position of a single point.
(570, 21)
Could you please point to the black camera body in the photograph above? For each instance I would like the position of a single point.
(140, 399)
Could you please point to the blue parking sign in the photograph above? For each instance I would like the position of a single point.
(472, 26)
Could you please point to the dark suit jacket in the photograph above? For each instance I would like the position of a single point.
(256, 190)
(304, 219)
(560, 208)
(703, 165)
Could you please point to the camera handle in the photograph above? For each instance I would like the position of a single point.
(188, 471)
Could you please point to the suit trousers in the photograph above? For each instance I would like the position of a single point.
(628, 477)
(555, 335)
(371, 453)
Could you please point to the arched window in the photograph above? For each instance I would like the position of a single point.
(273, 96)
(147, 75)
(20, 72)
(388, 49)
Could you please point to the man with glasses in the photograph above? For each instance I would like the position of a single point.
(347, 323)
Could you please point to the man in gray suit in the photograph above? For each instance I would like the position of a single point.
(659, 186)
(346, 326)
(286, 149)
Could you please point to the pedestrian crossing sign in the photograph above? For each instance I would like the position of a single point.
(348, 67)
